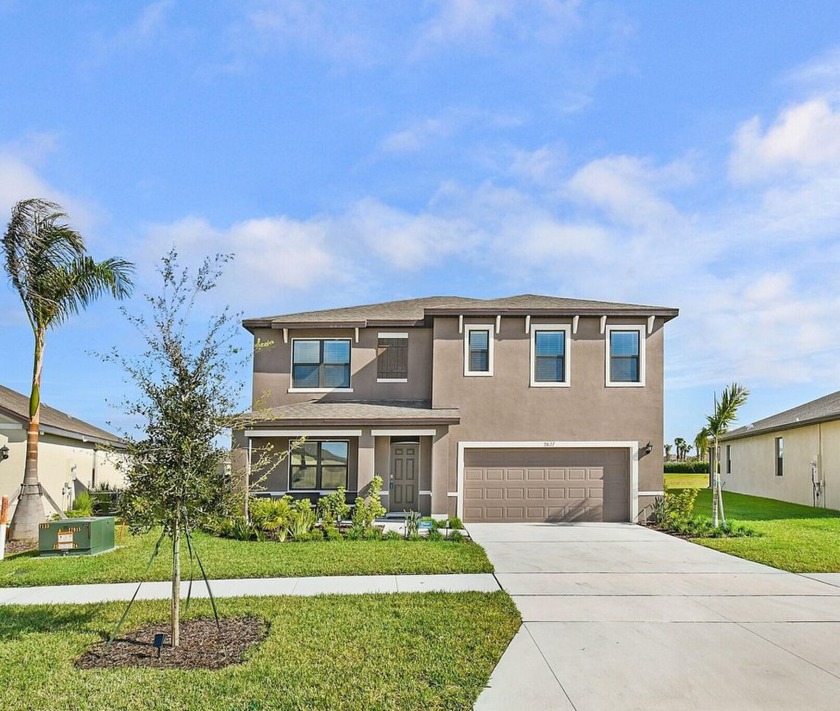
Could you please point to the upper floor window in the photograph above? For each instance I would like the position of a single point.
(478, 350)
(780, 456)
(314, 466)
(549, 355)
(392, 358)
(728, 458)
(625, 355)
(322, 363)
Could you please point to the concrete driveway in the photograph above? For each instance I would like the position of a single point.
(617, 617)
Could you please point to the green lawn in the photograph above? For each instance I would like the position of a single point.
(686, 481)
(226, 558)
(400, 651)
(797, 538)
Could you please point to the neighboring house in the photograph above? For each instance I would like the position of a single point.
(72, 455)
(528, 408)
(792, 456)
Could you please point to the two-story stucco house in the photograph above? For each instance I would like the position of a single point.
(528, 408)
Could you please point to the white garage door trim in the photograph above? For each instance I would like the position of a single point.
(631, 447)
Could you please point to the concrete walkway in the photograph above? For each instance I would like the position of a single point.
(340, 585)
(620, 617)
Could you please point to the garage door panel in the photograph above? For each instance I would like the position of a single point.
(593, 485)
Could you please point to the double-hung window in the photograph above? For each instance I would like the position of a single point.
(625, 356)
(392, 358)
(549, 355)
(321, 364)
(318, 466)
(478, 350)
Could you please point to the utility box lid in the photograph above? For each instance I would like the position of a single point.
(76, 536)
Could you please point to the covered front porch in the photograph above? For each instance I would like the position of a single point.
(311, 449)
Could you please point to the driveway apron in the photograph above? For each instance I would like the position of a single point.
(619, 617)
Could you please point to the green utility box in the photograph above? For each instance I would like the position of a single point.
(76, 536)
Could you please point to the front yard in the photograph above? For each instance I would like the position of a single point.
(791, 537)
(399, 651)
(227, 558)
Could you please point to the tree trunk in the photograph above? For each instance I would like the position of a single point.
(29, 512)
(175, 612)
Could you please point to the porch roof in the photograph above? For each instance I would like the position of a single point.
(354, 412)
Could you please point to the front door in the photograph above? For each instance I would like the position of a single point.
(404, 476)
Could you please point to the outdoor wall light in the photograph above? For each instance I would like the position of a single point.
(4, 453)
(648, 448)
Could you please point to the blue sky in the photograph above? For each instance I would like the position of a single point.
(682, 154)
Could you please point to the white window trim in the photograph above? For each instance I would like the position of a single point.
(469, 328)
(567, 360)
(642, 366)
(293, 389)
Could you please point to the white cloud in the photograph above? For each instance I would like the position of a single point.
(803, 139)
(477, 22)
(148, 27)
(417, 136)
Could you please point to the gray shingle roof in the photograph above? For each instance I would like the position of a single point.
(819, 410)
(16, 406)
(414, 311)
(355, 412)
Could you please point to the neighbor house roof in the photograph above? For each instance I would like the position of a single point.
(353, 412)
(16, 406)
(820, 410)
(412, 312)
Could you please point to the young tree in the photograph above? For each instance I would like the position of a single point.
(718, 423)
(50, 269)
(175, 475)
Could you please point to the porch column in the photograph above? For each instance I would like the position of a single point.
(367, 461)
(442, 503)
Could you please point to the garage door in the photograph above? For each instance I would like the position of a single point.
(507, 485)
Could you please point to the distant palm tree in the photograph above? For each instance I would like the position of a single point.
(679, 445)
(668, 448)
(718, 423)
(49, 267)
(701, 443)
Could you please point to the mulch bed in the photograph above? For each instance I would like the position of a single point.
(15, 547)
(203, 645)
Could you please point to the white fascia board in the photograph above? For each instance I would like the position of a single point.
(632, 447)
(281, 432)
(10, 426)
(408, 432)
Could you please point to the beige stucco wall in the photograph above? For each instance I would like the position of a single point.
(57, 457)
(273, 364)
(505, 407)
(754, 464)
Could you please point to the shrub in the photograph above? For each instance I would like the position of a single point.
(679, 504)
(391, 536)
(271, 516)
(333, 508)
(452, 522)
(455, 536)
(435, 535)
(369, 508)
(686, 467)
(82, 506)
(412, 524)
(331, 533)
(301, 519)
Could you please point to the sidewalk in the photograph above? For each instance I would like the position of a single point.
(335, 585)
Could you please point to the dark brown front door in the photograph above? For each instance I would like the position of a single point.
(404, 477)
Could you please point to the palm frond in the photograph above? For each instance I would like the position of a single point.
(726, 409)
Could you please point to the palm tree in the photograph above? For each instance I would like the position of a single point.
(49, 267)
(701, 443)
(679, 445)
(668, 448)
(718, 423)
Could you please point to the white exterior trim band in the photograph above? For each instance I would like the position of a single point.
(407, 432)
(303, 433)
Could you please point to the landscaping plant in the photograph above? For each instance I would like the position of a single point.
(368, 508)
(175, 478)
(718, 423)
(49, 267)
